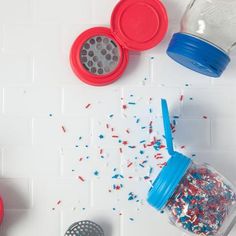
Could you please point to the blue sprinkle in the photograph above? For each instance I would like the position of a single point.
(150, 171)
(157, 146)
(132, 103)
(118, 176)
(131, 196)
(101, 136)
(141, 152)
(96, 173)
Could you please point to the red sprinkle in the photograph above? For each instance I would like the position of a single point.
(125, 142)
(59, 202)
(115, 136)
(130, 164)
(127, 131)
(161, 165)
(124, 107)
(87, 106)
(101, 151)
(63, 129)
(204, 117)
(81, 178)
(181, 98)
(121, 150)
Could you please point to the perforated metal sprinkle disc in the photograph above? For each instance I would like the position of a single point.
(84, 228)
(100, 55)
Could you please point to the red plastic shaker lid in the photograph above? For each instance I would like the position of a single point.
(139, 24)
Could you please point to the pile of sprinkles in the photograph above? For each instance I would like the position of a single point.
(142, 156)
(202, 202)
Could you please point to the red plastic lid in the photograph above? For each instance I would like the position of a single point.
(139, 24)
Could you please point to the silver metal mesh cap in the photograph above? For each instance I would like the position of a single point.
(100, 55)
(84, 228)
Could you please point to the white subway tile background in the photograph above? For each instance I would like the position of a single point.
(40, 163)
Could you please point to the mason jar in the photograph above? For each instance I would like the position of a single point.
(207, 36)
(196, 197)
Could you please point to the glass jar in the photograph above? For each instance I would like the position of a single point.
(196, 198)
(207, 36)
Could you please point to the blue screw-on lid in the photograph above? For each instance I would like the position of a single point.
(169, 178)
(198, 55)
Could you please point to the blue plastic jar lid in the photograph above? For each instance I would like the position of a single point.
(169, 178)
(198, 55)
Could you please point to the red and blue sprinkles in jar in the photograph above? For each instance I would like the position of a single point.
(202, 201)
(196, 197)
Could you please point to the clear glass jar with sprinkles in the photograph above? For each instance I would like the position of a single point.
(207, 36)
(196, 198)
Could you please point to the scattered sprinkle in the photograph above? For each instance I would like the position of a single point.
(81, 178)
(88, 105)
(63, 129)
